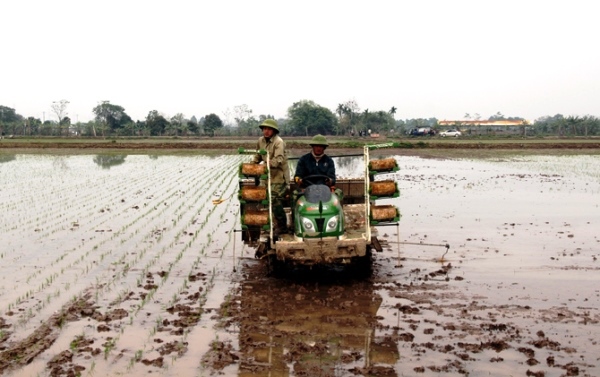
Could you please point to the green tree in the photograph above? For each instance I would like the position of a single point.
(249, 127)
(156, 123)
(580, 126)
(377, 121)
(212, 122)
(8, 118)
(498, 116)
(141, 128)
(308, 118)
(65, 124)
(400, 126)
(192, 125)
(175, 125)
(553, 125)
(589, 125)
(178, 124)
(343, 125)
(32, 126)
(340, 110)
(112, 117)
(47, 128)
(352, 112)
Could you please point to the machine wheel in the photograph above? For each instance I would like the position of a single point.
(363, 265)
(275, 267)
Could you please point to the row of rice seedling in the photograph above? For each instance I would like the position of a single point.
(45, 280)
(77, 257)
(148, 304)
(40, 195)
(160, 254)
(156, 308)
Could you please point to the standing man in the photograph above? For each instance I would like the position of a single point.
(278, 168)
(316, 163)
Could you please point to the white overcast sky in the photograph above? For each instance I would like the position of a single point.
(427, 58)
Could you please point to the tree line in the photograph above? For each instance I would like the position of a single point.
(304, 118)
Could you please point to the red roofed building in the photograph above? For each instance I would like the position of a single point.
(486, 127)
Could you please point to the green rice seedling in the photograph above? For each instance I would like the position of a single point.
(108, 346)
(74, 344)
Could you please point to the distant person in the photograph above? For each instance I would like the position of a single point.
(316, 163)
(278, 168)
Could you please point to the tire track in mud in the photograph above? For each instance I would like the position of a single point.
(158, 279)
(302, 322)
(418, 319)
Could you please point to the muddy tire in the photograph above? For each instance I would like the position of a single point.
(275, 267)
(363, 265)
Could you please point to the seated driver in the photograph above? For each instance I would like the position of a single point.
(317, 164)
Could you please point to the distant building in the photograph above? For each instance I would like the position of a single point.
(488, 127)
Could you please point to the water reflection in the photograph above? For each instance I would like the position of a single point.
(108, 161)
(318, 324)
(7, 157)
(60, 162)
(345, 166)
(349, 166)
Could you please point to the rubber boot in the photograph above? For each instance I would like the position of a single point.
(280, 220)
(279, 228)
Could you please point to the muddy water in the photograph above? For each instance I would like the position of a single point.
(518, 290)
(124, 266)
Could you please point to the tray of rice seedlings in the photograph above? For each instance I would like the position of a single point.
(383, 189)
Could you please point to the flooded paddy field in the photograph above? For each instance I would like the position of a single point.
(122, 265)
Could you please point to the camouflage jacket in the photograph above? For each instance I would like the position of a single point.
(280, 171)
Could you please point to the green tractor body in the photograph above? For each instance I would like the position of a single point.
(318, 213)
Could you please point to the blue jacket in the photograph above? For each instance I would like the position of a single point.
(308, 165)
